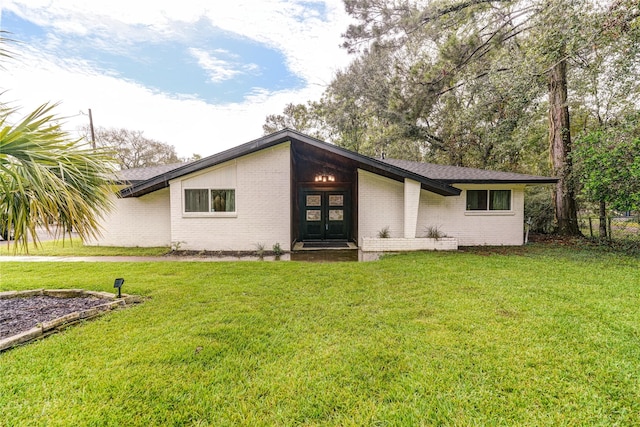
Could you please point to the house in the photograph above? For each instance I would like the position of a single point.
(289, 188)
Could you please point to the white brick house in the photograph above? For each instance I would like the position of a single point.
(287, 188)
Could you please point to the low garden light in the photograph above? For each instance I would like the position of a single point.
(118, 284)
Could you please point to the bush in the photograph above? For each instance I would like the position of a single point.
(538, 205)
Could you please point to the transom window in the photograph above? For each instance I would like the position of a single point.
(492, 200)
(209, 200)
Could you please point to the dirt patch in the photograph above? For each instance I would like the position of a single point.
(33, 314)
(21, 314)
(217, 254)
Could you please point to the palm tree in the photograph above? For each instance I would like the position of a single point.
(46, 177)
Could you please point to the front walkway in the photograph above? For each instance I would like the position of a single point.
(31, 258)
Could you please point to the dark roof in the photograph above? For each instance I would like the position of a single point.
(460, 175)
(412, 170)
(137, 175)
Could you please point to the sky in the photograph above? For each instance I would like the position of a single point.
(200, 75)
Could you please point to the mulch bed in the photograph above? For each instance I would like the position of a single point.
(21, 314)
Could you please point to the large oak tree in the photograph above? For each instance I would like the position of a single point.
(469, 42)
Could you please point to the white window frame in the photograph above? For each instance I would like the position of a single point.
(487, 211)
(209, 214)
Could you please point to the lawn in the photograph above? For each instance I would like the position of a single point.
(75, 247)
(542, 336)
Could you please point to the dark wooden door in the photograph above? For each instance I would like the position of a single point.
(325, 214)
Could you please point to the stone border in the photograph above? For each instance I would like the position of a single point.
(52, 326)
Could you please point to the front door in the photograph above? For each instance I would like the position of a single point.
(325, 214)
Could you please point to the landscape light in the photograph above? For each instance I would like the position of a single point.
(118, 284)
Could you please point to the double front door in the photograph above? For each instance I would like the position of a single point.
(325, 214)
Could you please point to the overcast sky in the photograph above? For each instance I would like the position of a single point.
(197, 74)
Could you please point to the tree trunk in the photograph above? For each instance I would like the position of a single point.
(603, 220)
(560, 148)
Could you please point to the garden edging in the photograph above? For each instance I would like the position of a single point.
(55, 325)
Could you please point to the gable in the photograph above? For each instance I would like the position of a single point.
(433, 178)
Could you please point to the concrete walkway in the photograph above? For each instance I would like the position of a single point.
(305, 256)
(30, 258)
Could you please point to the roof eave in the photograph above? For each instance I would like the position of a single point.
(502, 181)
(286, 135)
(162, 181)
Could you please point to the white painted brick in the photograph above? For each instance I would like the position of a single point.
(142, 221)
(474, 228)
(370, 244)
(263, 214)
(263, 190)
(380, 205)
(411, 206)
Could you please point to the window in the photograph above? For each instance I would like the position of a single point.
(493, 200)
(207, 200)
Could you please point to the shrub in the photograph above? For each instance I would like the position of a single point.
(384, 233)
(433, 232)
(277, 250)
(538, 205)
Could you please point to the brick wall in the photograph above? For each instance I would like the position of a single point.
(263, 214)
(142, 221)
(474, 228)
(370, 244)
(381, 204)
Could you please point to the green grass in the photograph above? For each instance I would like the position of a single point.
(75, 247)
(548, 336)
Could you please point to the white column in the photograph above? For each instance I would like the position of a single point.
(411, 204)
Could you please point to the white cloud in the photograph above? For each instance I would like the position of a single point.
(309, 44)
(218, 69)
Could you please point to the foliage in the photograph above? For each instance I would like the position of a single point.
(176, 245)
(464, 83)
(5, 41)
(277, 249)
(384, 233)
(609, 167)
(260, 249)
(433, 232)
(45, 177)
(298, 117)
(538, 209)
(133, 150)
(424, 338)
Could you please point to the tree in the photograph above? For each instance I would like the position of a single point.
(605, 101)
(298, 117)
(47, 177)
(608, 164)
(465, 42)
(132, 150)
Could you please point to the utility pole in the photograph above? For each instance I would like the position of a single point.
(93, 135)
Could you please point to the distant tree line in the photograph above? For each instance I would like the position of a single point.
(131, 149)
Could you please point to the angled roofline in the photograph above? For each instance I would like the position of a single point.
(542, 180)
(465, 175)
(162, 181)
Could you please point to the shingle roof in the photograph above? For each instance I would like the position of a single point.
(434, 178)
(457, 174)
(142, 174)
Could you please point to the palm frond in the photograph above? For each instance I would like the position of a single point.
(48, 177)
